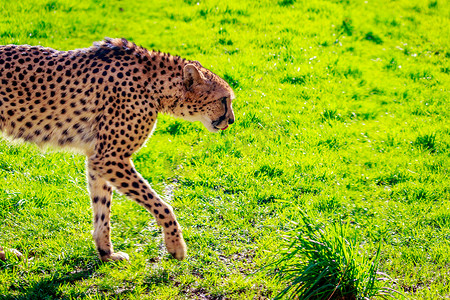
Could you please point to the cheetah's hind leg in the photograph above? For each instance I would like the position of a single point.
(137, 188)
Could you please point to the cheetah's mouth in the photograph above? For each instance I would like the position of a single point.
(220, 124)
(215, 124)
(222, 118)
(212, 126)
(217, 128)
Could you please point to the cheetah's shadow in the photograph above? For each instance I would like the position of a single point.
(49, 288)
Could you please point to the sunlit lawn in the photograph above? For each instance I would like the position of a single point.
(342, 110)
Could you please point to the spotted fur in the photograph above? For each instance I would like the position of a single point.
(104, 101)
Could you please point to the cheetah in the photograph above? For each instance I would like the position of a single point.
(103, 101)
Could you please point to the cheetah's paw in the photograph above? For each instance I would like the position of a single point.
(116, 256)
(176, 246)
(14, 252)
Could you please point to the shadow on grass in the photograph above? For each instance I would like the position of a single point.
(49, 288)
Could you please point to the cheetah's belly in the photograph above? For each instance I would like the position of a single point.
(72, 131)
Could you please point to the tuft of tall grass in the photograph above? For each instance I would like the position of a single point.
(426, 142)
(322, 263)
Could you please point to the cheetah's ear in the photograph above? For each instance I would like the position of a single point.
(192, 76)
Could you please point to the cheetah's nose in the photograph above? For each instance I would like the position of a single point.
(230, 121)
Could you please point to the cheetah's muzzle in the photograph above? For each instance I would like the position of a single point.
(216, 124)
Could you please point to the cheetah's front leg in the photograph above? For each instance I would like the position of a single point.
(123, 176)
(101, 196)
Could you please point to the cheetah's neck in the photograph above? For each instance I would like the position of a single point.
(164, 72)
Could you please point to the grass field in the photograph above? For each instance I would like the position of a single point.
(342, 111)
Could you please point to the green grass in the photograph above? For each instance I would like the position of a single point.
(342, 109)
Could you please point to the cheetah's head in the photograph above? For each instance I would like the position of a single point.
(207, 98)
